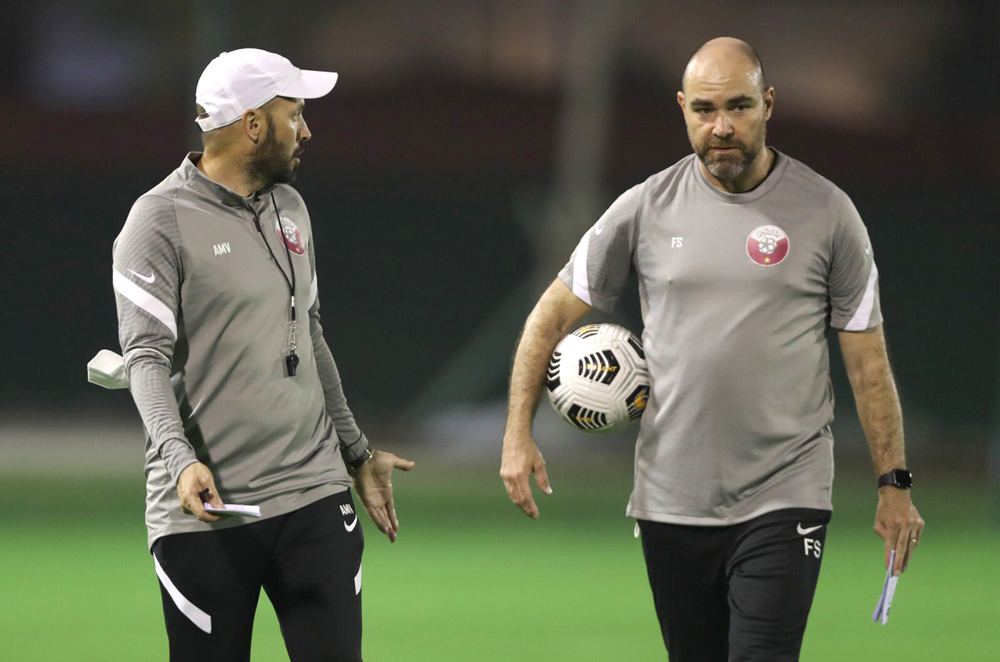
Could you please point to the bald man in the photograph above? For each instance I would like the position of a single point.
(746, 260)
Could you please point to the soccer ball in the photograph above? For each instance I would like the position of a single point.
(597, 378)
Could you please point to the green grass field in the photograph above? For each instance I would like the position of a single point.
(472, 579)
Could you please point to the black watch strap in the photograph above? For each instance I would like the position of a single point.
(900, 478)
(356, 463)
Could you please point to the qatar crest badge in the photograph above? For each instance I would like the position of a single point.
(289, 233)
(767, 245)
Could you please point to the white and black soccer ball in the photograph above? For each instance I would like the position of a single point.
(597, 378)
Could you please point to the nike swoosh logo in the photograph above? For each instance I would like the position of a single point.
(350, 527)
(803, 532)
(598, 229)
(149, 279)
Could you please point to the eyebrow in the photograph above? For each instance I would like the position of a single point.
(706, 103)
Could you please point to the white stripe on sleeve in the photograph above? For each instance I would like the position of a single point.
(195, 615)
(313, 292)
(863, 314)
(144, 300)
(581, 285)
(357, 580)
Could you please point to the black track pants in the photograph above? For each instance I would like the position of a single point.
(309, 563)
(737, 593)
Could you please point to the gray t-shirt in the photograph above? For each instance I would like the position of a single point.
(739, 293)
(203, 320)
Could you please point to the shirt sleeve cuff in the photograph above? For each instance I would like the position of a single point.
(355, 449)
(178, 456)
(597, 300)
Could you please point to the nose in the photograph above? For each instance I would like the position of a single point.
(305, 134)
(723, 126)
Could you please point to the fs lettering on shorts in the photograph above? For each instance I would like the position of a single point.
(811, 546)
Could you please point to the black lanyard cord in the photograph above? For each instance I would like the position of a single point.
(288, 253)
(291, 359)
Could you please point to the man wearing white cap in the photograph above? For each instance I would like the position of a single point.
(215, 283)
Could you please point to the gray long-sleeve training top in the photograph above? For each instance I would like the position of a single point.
(203, 320)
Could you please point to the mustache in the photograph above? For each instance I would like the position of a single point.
(725, 146)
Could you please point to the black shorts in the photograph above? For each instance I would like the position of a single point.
(309, 563)
(740, 592)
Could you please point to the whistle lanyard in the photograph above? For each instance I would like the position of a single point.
(291, 359)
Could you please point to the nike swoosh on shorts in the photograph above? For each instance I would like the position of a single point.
(350, 527)
(803, 532)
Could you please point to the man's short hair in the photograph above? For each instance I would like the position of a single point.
(207, 137)
(215, 135)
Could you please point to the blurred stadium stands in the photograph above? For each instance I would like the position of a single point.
(433, 163)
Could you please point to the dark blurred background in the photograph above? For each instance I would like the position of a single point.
(465, 149)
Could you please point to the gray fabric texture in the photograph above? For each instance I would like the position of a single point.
(203, 323)
(739, 294)
(352, 441)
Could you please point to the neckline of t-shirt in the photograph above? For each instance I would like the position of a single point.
(222, 193)
(765, 187)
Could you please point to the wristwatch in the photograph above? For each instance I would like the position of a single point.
(900, 478)
(356, 463)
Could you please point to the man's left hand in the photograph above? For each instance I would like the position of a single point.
(373, 483)
(899, 524)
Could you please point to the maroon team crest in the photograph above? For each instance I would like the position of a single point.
(767, 245)
(289, 233)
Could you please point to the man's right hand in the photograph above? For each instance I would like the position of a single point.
(549, 321)
(520, 459)
(195, 479)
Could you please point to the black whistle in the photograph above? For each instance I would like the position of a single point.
(292, 362)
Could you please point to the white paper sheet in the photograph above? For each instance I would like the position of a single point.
(881, 614)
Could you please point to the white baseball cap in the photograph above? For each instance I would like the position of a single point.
(245, 79)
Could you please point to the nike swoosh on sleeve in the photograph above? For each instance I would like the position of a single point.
(803, 532)
(144, 300)
(350, 527)
(149, 279)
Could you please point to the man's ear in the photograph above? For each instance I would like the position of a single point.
(680, 100)
(253, 124)
(768, 102)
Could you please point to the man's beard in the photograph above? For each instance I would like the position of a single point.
(269, 163)
(729, 166)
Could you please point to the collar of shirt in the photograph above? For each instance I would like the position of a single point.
(224, 194)
(762, 189)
